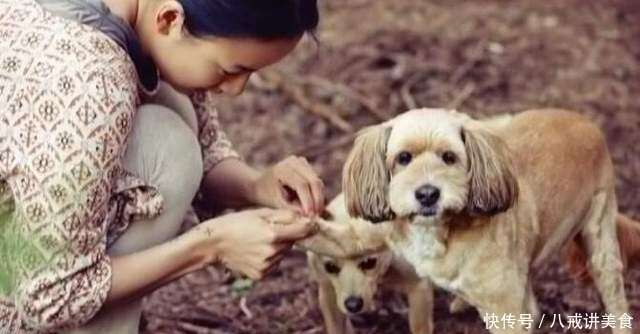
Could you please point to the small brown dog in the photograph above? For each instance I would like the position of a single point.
(347, 284)
(476, 206)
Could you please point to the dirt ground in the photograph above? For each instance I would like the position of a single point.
(377, 58)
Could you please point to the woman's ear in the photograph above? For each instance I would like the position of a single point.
(169, 18)
(493, 188)
(365, 177)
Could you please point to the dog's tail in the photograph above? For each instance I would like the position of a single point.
(628, 231)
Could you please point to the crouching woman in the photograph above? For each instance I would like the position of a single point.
(107, 132)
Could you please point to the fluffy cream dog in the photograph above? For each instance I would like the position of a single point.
(477, 205)
(347, 283)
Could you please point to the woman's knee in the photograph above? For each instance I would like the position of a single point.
(167, 96)
(165, 153)
(164, 150)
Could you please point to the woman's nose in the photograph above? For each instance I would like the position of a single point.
(234, 85)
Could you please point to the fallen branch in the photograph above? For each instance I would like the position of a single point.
(462, 96)
(318, 149)
(245, 310)
(347, 92)
(476, 55)
(405, 92)
(192, 328)
(313, 330)
(298, 95)
(322, 110)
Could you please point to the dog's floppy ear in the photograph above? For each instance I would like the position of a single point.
(493, 188)
(365, 177)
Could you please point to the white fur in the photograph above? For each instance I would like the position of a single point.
(444, 126)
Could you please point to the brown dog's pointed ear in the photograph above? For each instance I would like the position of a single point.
(346, 239)
(493, 188)
(365, 177)
(332, 239)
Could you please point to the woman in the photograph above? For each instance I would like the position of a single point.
(93, 182)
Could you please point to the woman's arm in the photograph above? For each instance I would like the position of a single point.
(221, 240)
(229, 182)
(135, 275)
(289, 184)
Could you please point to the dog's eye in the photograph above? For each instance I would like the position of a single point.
(331, 268)
(404, 158)
(449, 157)
(367, 264)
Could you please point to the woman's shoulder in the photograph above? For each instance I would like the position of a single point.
(31, 36)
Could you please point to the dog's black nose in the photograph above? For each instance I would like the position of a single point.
(353, 304)
(428, 195)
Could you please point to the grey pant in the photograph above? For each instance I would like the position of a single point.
(163, 150)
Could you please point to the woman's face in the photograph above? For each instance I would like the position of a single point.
(220, 64)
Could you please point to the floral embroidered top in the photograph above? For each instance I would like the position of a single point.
(68, 94)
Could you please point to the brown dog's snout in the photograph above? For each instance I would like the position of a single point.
(427, 195)
(353, 304)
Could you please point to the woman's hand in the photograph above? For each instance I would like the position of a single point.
(290, 184)
(251, 242)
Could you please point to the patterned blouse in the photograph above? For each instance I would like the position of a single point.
(68, 94)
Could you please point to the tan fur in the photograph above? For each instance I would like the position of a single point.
(333, 289)
(493, 187)
(368, 179)
(629, 239)
(391, 273)
(343, 240)
(562, 173)
(628, 231)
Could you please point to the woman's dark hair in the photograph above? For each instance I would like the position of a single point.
(263, 19)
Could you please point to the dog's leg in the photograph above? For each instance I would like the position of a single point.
(605, 264)
(508, 298)
(532, 307)
(420, 298)
(334, 320)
